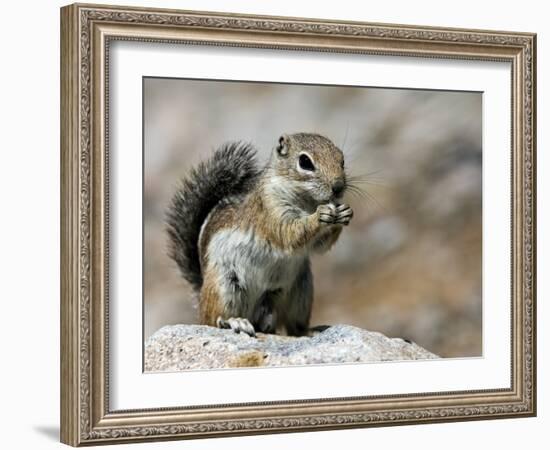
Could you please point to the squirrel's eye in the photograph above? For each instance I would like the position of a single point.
(306, 163)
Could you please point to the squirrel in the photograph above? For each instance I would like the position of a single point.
(242, 236)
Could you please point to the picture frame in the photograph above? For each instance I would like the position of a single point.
(87, 33)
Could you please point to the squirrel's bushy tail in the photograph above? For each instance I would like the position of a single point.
(231, 170)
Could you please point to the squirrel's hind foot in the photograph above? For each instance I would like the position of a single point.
(237, 324)
(319, 329)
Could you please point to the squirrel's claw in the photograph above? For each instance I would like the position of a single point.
(331, 214)
(327, 213)
(344, 214)
(237, 324)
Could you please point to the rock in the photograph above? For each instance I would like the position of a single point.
(182, 347)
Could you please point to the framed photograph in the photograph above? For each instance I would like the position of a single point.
(276, 224)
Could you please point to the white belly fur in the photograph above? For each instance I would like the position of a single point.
(258, 267)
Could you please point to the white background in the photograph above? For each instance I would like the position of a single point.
(132, 389)
(29, 238)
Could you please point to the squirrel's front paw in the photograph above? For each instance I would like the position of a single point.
(237, 324)
(344, 213)
(335, 215)
(327, 214)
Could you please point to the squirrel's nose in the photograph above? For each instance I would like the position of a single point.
(338, 187)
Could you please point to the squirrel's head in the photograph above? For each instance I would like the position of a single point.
(311, 166)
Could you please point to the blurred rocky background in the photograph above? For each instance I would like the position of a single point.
(409, 265)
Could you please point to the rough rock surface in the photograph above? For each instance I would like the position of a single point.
(182, 347)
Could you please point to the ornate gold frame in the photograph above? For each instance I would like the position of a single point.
(86, 31)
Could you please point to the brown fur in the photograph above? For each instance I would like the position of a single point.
(210, 305)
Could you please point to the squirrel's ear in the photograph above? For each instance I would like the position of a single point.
(282, 146)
